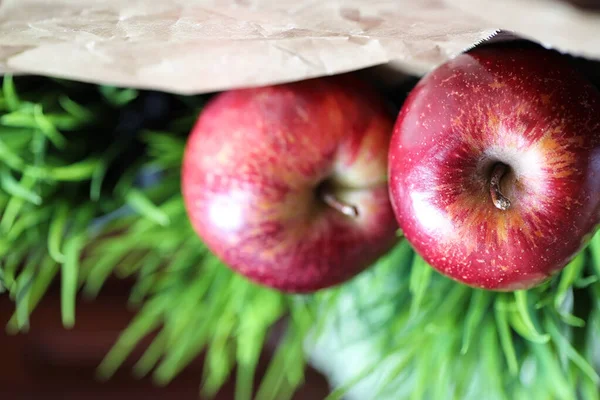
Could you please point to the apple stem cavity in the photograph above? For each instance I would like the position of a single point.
(500, 201)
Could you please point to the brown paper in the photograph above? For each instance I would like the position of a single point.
(555, 24)
(192, 46)
(196, 46)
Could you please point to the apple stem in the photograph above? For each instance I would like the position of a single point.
(500, 201)
(337, 204)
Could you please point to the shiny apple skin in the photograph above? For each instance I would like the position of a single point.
(251, 169)
(527, 108)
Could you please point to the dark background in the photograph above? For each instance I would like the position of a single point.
(51, 362)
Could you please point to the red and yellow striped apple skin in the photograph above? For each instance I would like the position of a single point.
(251, 170)
(529, 109)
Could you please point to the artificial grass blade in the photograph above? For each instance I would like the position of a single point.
(69, 283)
(10, 96)
(147, 319)
(48, 128)
(56, 232)
(144, 206)
(506, 340)
(151, 356)
(523, 309)
(480, 301)
(570, 352)
(11, 186)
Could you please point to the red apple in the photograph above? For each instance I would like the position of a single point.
(287, 184)
(495, 166)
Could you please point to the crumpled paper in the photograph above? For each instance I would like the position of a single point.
(189, 46)
(555, 24)
(198, 46)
